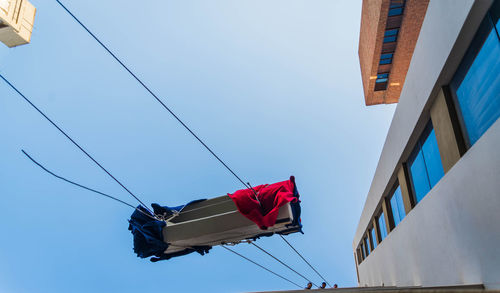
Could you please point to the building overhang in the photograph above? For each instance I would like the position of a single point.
(388, 35)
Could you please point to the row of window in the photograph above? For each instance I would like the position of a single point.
(390, 36)
(475, 93)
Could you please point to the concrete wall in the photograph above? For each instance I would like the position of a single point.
(452, 235)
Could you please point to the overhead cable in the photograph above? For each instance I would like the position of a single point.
(84, 187)
(151, 92)
(290, 268)
(298, 253)
(261, 266)
(74, 142)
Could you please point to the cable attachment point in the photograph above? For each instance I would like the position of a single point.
(234, 243)
(254, 193)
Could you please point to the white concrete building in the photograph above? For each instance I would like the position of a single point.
(432, 214)
(17, 18)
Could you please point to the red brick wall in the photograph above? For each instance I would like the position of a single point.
(373, 22)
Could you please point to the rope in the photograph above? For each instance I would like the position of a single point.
(276, 274)
(151, 92)
(263, 250)
(74, 142)
(84, 187)
(298, 253)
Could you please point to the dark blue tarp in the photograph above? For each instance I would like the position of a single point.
(148, 233)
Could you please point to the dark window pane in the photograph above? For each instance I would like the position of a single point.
(374, 239)
(367, 245)
(385, 56)
(394, 210)
(495, 14)
(432, 159)
(397, 206)
(392, 32)
(395, 11)
(381, 226)
(420, 181)
(396, 5)
(401, 205)
(389, 39)
(386, 61)
(425, 163)
(477, 82)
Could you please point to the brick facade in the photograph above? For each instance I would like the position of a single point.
(374, 18)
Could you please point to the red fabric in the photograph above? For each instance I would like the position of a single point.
(271, 197)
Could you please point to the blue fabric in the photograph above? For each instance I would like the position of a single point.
(148, 233)
(168, 211)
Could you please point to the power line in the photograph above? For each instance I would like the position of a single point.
(298, 253)
(84, 187)
(261, 266)
(263, 250)
(247, 185)
(73, 141)
(74, 183)
(151, 92)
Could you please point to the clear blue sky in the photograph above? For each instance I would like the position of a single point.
(272, 86)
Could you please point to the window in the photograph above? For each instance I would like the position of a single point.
(381, 82)
(425, 164)
(391, 35)
(397, 206)
(390, 39)
(393, 32)
(373, 238)
(386, 59)
(397, 3)
(382, 77)
(367, 245)
(476, 84)
(363, 253)
(395, 11)
(495, 15)
(382, 229)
